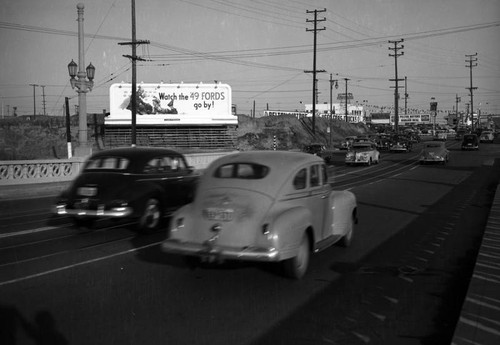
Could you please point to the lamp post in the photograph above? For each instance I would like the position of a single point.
(83, 84)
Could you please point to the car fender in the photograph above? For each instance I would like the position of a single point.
(344, 207)
(288, 228)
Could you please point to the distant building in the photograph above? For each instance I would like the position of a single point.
(355, 113)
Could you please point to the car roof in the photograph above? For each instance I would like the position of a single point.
(135, 152)
(281, 165)
(138, 156)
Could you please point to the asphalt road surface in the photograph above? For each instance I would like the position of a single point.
(402, 281)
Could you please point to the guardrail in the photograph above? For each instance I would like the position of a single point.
(57, 170)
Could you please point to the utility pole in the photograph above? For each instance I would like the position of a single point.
(406, 96)
(471, 59)
(315, 31)
(346, 79)
(457, 100)
(43, 99)
(332, 82)
(396, 80)
(134, 58)
(34, 101)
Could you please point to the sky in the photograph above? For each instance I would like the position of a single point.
(262, 48)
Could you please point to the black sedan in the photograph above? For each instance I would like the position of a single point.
(470, 142)
(141, 184)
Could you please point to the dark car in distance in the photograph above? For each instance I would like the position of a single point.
(142, 184)
(470, 142)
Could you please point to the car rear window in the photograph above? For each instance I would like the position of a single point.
(107, 163)
(242, 171)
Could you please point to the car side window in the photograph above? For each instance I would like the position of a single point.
(171, 164)
(249, 171)
(151, 167)
(314, 179)
(300, 179)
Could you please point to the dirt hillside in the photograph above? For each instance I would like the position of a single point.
(291, 133)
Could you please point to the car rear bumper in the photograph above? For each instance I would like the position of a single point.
(121, 212)
(214, 252)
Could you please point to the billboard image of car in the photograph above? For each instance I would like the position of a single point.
(172, 104)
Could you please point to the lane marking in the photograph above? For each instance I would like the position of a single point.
(27, 232)
(86, 262)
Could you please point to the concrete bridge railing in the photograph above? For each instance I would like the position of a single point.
(57, 170)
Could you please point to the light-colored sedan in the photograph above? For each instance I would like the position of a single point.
(268, 206)
(434, 152)
(363, 153)
(486, 137)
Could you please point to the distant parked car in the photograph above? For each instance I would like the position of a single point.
(141, 184)
(268, 206)
(434, 151)
(459, 135)
(383, 142)
(314, 148)
(487, 137)
(441, 135)
(362, 153)
(347, 142)
(400, 143)
(470, 142)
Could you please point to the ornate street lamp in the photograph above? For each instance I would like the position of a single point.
(83, 81)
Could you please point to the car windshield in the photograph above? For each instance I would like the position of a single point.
(107, 163)
(242, 171)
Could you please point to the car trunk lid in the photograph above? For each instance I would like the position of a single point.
(230, 216)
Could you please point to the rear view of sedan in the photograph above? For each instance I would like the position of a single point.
(140, 184)
(434, 152)
(470, 142)
(267, 206)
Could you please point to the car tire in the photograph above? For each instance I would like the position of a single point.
(296, 267)
(151, 216)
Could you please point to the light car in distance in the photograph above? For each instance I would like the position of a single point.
(486, 137)
(267, 206)
(140, 184)
(362, 153)
(434, 152)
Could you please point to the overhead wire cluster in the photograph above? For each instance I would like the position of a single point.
(284, 85)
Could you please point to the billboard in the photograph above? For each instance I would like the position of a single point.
(171, 104)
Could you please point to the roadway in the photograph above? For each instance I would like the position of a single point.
(402, 281)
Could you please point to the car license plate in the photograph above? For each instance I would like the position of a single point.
(87, 191)
(218, 214)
